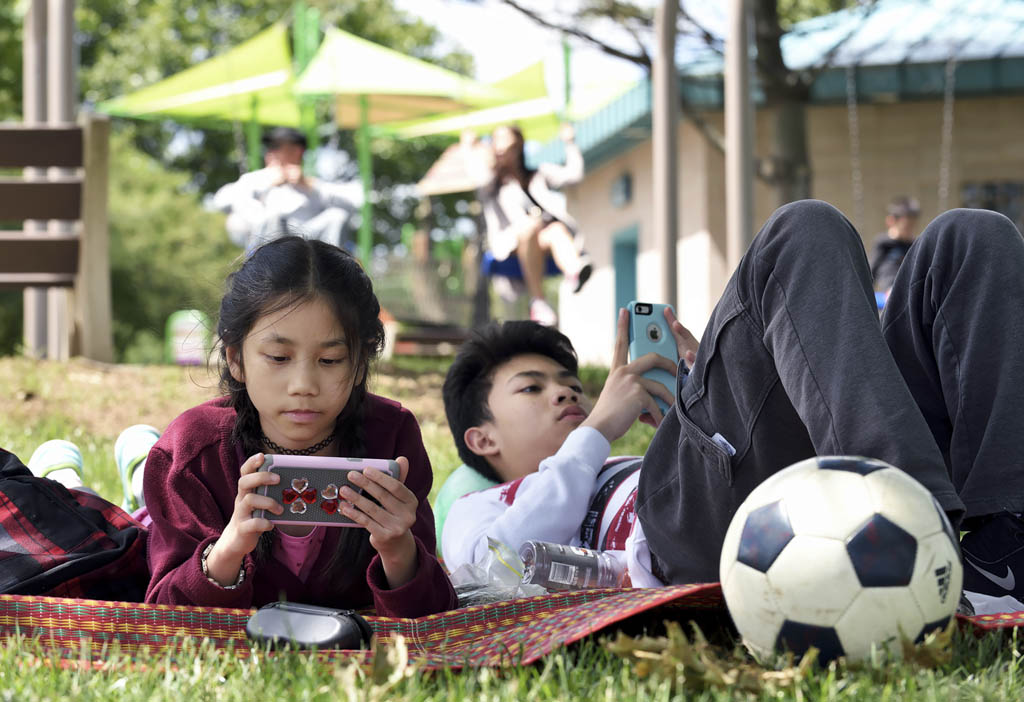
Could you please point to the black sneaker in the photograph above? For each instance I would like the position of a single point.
(584, 274)
(964, 607)
(994, 565)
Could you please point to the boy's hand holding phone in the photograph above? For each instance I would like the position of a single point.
(686, 342)
(627, 393)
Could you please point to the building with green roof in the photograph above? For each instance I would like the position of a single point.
(884, 119)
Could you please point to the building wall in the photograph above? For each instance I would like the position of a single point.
(900, 155)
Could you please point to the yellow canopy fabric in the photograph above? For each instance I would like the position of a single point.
(397, 87)
(252, 82)
(532, 109)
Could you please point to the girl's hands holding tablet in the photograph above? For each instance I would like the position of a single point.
(243, 530)
(389, 522)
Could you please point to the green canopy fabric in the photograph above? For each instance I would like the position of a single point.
(535, 112)
(395, 86)
(252, 82)
(372, 84)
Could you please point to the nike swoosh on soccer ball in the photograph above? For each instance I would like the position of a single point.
(1006, 582)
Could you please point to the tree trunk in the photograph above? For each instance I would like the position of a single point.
(788, 92)
(794, 172)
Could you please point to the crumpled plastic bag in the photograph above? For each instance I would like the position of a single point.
(496, 579)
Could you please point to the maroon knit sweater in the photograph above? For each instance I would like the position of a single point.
(190, 484)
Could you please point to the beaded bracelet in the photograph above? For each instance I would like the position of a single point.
(206, 571)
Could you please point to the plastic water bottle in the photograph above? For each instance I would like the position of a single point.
(559, 567)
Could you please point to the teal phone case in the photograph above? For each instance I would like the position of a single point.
(648, 331)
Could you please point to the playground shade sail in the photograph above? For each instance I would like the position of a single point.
(396, 86)
(532, 108)
(252, 82)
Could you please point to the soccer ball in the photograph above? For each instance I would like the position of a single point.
(842, 553)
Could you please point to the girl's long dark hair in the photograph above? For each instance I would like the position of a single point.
(280, 274)
(507, 168)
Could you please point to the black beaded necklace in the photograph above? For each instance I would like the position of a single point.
(277, 448)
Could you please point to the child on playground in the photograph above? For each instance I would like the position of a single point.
(298, 329)
(523, 426)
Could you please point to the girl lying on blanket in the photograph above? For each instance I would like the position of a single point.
(298, 329)
(520, 420)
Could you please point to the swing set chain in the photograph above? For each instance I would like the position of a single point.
(853, 126)
(946, 153)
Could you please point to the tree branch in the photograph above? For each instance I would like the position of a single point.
(642, 58)
(714, 43)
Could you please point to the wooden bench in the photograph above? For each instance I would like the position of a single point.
(77, 259)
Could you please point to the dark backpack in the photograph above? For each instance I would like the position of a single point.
(66, 543)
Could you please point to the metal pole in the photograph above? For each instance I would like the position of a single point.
(567, 77)
(366, 173)
(253, 136)
(34, 112)
(665, 117)
(305, 39)
(61, 111)
(739, 138)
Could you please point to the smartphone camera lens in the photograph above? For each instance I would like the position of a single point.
(642, 308)
(654, 332)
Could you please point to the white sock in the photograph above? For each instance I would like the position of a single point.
(137, 483)
(68, 477)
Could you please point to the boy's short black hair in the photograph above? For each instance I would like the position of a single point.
(469, 379)
(903, 206)
(279, 136)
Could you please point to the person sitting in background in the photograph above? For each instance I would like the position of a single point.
(891, 246)
(522, 215)
(280, 199)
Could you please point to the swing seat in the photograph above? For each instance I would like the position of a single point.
(490, 266)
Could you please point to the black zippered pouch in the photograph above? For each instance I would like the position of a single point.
(308, 626)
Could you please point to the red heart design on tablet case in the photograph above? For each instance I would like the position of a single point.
(330, 492)
(329, 506)
(289, 496)
(298, 507)
(299, 484)
(309, 495)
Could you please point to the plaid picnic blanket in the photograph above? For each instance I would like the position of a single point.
(504, 633)
(517, 632)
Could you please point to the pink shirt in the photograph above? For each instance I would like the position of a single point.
(298, 553)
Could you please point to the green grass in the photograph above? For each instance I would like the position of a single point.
(986, 669)
(90, 404)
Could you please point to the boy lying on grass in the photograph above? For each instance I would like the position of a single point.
(519, 418)
(794, 363)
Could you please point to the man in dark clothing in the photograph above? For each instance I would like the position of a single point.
(793, 364)
(891, 246)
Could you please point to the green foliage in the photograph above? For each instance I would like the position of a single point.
(10, 321)
(792, 11)
(176, 38)
(166, 252)
(10, 61)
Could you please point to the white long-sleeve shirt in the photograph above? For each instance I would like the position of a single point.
(577, 497)
(255, 200)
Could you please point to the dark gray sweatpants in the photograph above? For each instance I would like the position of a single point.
(793, 363)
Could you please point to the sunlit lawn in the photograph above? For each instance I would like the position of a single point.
(90, 404)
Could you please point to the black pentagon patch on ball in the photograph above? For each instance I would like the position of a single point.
(930, 627)
(882, 553)
(765, 533)
(798, 638)
(851, 464)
